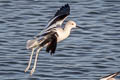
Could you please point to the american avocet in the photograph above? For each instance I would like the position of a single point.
(52, 34)
(110, 77)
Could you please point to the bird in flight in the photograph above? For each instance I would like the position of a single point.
(110, 77)
(51, 35)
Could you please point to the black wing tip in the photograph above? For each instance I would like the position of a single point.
(117, 73)
(112, 75)
(63, 10)
(67, 5)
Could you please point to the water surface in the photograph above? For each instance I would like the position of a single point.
(87, 54)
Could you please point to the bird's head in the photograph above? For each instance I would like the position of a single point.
(71, 24)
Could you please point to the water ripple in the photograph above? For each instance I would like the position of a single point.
(93, 53)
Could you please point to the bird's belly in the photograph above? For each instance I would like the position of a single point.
(61, 37)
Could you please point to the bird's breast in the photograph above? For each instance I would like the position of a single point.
(61, 34)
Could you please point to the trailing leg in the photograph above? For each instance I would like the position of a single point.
(34, 67)
(29, 63)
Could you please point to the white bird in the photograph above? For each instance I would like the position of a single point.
(51, 35)
(110, 77)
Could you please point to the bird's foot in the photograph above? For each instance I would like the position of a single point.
(26, 69)
(32, 71)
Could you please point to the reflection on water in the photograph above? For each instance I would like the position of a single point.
(86, 54)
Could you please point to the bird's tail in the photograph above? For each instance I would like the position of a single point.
(31, 44)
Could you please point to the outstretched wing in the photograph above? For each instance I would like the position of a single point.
(58, 18)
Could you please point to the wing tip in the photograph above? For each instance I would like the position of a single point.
(67, 5)
(110, 76)
(114, 74)
(63, 10)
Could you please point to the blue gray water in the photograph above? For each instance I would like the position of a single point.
(88, 54)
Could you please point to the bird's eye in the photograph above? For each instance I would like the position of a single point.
(72, 23)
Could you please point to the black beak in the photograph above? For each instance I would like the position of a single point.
(78, 26)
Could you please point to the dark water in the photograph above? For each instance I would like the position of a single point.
(87, 54)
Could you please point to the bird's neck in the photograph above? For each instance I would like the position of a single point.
(67, 30)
